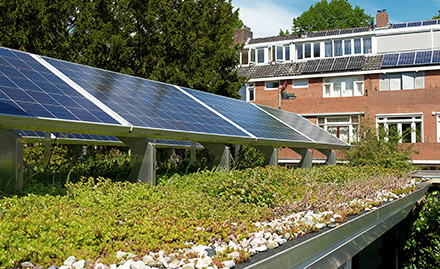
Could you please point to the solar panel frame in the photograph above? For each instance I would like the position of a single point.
(406, 58)
(414, 24)
(355, 62)
(340, 64)
(346, 31)
(332, 32)
(435, 57)
(361, 29)
(430, 22)
(325, 65)
(390, 60)
(399, 25)
(311, 66)
(423, 57)
(320, 33)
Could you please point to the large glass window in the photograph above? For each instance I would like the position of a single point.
(402, 81)
(307, 50)
(367, 45)
(260, 55)
(357, 46)
(347, 47)
(328, 49)
(287, 52)
(343, 86)
(300, 83)
(299, 51)
(317, 50)
(343, 127)
(272, 85)
(250, 92)
(338, 47)
(406, 128)
(279, 50)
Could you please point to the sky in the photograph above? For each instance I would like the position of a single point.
(267, 17)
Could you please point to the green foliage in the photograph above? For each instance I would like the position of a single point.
(99, 217)
(248, 157)
(281, 33)
(381, 149)
(419, 234)
(336, 14)
(187, 43)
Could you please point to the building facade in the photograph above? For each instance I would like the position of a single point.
(387, 74)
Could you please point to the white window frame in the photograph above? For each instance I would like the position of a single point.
(358, 81)
(385, 81)
(352, 123)
(250, 87)
(297, 83)
(399, 119)
(271, 88)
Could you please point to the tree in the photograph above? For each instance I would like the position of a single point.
(281, 33)
(336, 14)
(188, 43)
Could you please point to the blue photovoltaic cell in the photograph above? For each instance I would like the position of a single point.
(423, 57)
(146, 103)
(430, 22)
(399, 25)
(414, 24)
(249, 117)
(390, 59)
(436, 56)
(407, 58)
(304, 125)
(28, 89)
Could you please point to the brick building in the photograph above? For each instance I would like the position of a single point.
(387, 73)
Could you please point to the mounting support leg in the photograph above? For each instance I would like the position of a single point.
(193, 157)
(306, 157)
(11, 161)
(237, 152)
(47, 153)
(144, 161)
(222, 154)
(331, 156)
(270, 155)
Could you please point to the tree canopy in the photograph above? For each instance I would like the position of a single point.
(336, 14)
(188, 43)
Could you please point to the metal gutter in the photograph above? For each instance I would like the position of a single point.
(333, 248)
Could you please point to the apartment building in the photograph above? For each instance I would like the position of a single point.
(388, 74)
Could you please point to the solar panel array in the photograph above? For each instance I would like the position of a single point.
(39, 89)
(334, 64)
(415, 24)
(411, 58)
(340, 31)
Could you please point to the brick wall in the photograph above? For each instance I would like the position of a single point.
(310, 100)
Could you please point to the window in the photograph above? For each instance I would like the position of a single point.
(287, 52)
(299, 51)
(245, 57)
(328, 49)
(347, 47)
(308, 50)
(338, 47)
(301, 83)
(407, 127)
(343, 127)
(402, 81)
(250, 92)
(260, 55)
(253, 56)
(317, 50)
(367, 45)
(272, 85)
(343, 86)
(357, 46)
(279, 51)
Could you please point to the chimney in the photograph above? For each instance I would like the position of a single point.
(381, 18)
(241, 35)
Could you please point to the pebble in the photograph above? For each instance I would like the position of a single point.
(234, 255)
(70, 261)
(79, 264)
(26, 265)
(272, 245)
(228, 264)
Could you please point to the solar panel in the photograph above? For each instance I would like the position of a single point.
(145, 103)
(321, 33)
(361, 29)
(333, 32)
(355, 62)
(414, 24)
(436, 56)
(249, 117)
(325, 65)
(308, 128)
(340, 64)
(346, 31)
(399, 25)
(430, 22)
(310, 66)
(407, 58)
(27, 88)
(390, 59)
(423, 57)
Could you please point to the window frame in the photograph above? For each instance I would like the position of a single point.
(300, 86)
(271, 88)
(385, 81)
(399, 119)
(250, 87)
(329, 83)
(326, 122)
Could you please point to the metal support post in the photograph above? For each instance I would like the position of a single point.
(331, 156)
(11, 161)
(47, 152)
(222, 154)
(193, 157)
(270, 155)
(237, 152)
(144, 163)
(306, 157)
